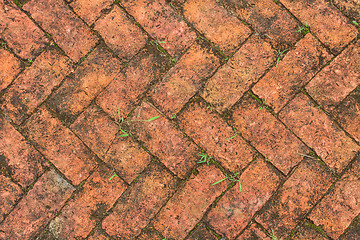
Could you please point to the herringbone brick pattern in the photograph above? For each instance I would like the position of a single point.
(179, 119)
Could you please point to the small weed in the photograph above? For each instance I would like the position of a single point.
(115, 175)
(272, 235)
(30, 60)
(354, 22)
(164, 238)
(266, 159)
(232, 136)
(210, 107)
(173, 116)
(304, 29)
(204, 158)
(231, 178)
(265, 104)
(279, 56)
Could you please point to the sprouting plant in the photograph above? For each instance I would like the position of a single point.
(265, 104)
(354, 22)
(272, 235)
(279, 56)
(164, 238)
(304, 29)
(114, 175)
(232, 136)
(30, 60)
(266, 159)
(231, 178)
(204, 158)
(210, 107)
(173, 116)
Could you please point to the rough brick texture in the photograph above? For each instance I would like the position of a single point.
(9, 68)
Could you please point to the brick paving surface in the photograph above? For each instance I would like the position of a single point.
(179, 119)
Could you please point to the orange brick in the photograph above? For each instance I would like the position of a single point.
(185, 78)
(254, 232)
(124, 92)
(353, 233)
(139, 203)
(217, 25)
(268, 135)
(98, 235)
(90, 78)
(338, 79)
(35, 84)
(22, 161)
(296, 69)
(59, 145)
(295, 197)
(35, 210)
(245, 68)
(90, 10)
(10, 193)
(20, 33)
(68, 31)
(316, 129)
(351, 8)
(176, 219)
(9, 68)
(201, 233)
(88, 207)
(162, 23)
(149, 234)
(306, 232)
(268, 19)
(235, 209)
(120, 33)
(335, 34)
(212, 134)
(336, 210)
(164, 140)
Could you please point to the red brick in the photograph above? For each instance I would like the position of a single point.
(306, 232)
(35, 210)
(9, 68)
(336, 210)
(68, 31)
(188, 205)
(235, 209)
(268, 19)
(21, 160)
(139, 203)
(350, 7)
(295, 197)
(335, 34)
(201, 233)
(95, 198)
(149, 234)
(316, 129)
(35, 84)
(10, 193)
(20, 33)
(217, 25)
(124, 92)
(245, 68)
(90, 10)
(268, 135)
(337, 80)
(185, 78)
(296, 69)
(98, 235)
(353, 233)
(59, 145)
(89, 79)
(162, 23)
(347, 114)
(120, 33)
(212, 134)
(164, 140)
(254, 232)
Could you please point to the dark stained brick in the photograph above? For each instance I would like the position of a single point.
(90, 10)
(10, 193)
(201, 233)
(254, 232)
(9, 68)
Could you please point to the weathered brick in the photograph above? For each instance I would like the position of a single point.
(347, 114)
(295, 197)
(37, 207)
(213, 135)
(124, 91)
(185, 78)
(307, 232)
(268, 135)
(120, 33)
(201, 234)
(149, 234)
(89, 79)
(20, 33)
(335, 34)
(245, 68)
(98, 235)
(268, 19)
(10, 193)
(35, 84)
(19, 158)
(162, 23)
(176, 219)
(59, 145)
(68, 31)
(336, 210)
(9, 68)
(338, 79)
(296, 69)
(217, 25)
(350, 7)
(316, 129)
(254, 232)
(235, 209)
(164, 140)
(90, 10)
(139, 203)
(352, 233)
(88, 206)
